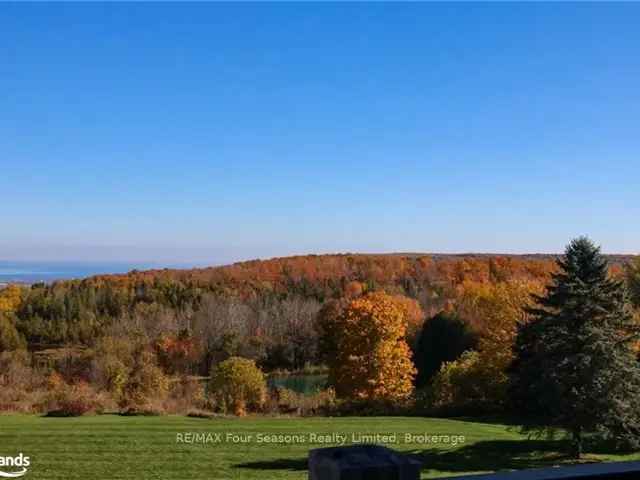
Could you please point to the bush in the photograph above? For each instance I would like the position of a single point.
(146, 386)
(200, 414)
(238, 385)
(110, 374)
(284, 400)
(150, 409)
(128, 370)
(73, 400)
(186, 394)
(22, 389)
(465, 386)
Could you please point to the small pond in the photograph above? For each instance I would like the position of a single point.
(305, 384)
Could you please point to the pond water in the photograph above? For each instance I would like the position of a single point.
(305, 384)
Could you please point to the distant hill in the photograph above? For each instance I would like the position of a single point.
(260, 295)
(382, 269)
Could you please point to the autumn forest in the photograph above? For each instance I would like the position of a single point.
(401, 333)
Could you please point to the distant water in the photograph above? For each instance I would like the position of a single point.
(32, 272)
(305, 384)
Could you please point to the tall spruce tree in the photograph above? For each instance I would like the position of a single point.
(574, 367)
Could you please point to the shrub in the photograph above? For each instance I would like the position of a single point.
(465, 386)
(112, 363)
(111, 374)
(73, 400)
(186, 394)
(22, 389)
(200, 414)
(238, 385)
(149, 409)
(146, 385)
(288, 401)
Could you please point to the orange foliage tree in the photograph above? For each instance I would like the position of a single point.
(177, 353)
(373, 360)
(414, 316)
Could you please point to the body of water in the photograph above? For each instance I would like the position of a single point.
(305, 384)
(32, 272)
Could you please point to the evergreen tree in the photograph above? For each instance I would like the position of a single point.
(574, 367)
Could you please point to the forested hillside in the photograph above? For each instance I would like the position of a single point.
(447, 322)
(267, 306)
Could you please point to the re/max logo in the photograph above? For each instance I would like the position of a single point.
(18, 466)
(193, 437)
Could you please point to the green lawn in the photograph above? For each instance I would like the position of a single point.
(112, 447)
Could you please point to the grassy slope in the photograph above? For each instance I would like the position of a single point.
(111, 447)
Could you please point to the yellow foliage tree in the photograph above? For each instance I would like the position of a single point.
(479, 379)
(495, 310)
(10, 298)
(373, 360)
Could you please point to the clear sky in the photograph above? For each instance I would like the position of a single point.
(209, 132)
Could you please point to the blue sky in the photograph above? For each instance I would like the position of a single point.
(207, 133)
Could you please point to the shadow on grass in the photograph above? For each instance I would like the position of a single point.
(292, 464)
(510, 421)
(494, 455)
(483, 456)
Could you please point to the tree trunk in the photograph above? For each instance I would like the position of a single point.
(576, 443)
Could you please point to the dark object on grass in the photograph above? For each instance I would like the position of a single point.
(361, 462)
(61, 414)
(141, 412)
(200, 414)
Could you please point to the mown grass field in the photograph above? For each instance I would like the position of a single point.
(112, 447)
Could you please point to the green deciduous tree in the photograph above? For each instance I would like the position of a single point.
(574, 366)
(10, 338)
